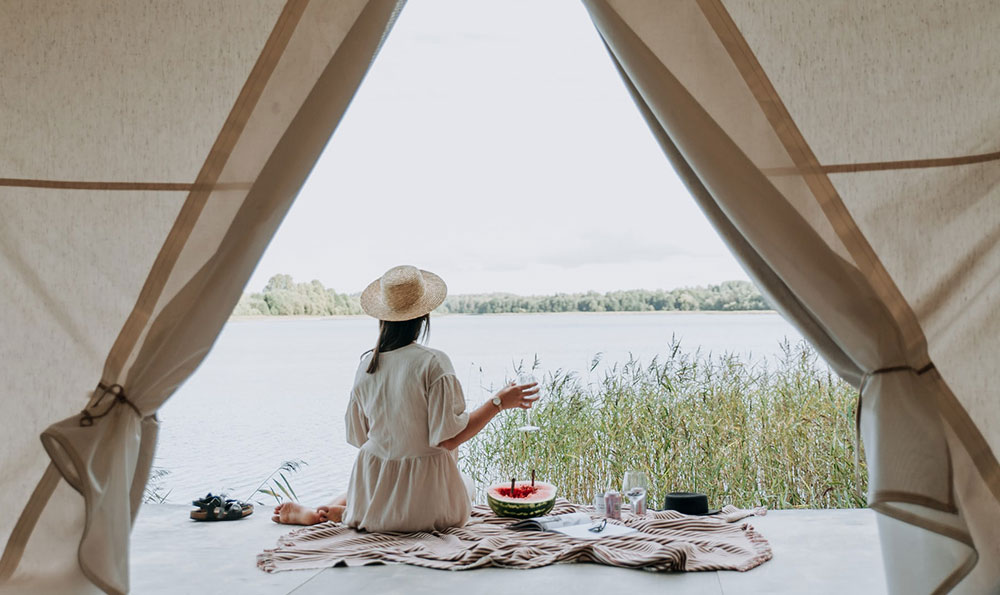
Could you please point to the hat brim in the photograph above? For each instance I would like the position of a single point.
(709, 513)
(435, 290)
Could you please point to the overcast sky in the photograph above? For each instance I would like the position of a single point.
(494, 144)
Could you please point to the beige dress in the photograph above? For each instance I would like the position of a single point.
(401, 480)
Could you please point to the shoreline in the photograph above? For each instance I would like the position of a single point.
(249, 318)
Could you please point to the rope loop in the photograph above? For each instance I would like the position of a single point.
(117, 392)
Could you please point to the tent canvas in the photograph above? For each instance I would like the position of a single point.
(847, 154)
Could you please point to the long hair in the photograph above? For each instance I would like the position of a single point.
(393, 335)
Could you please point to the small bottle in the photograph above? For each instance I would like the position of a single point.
(637, 498)
(613, 505)
(599, 502)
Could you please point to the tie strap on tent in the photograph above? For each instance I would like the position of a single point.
(857, 413)
(118, 392)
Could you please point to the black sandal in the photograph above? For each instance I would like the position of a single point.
(216, 508)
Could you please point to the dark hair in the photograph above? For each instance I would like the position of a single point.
(396, 334)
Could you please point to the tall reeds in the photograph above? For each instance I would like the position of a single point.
(779, 435)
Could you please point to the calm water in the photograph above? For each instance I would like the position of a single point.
(274, 390)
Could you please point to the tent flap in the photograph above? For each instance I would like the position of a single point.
(285, 72)
(795, 129)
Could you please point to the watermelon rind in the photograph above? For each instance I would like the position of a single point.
(521, 510)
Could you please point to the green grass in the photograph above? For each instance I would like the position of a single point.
(279, 487)
(155, 492)
(780, 436)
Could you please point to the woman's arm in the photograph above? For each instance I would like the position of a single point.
(511, 397)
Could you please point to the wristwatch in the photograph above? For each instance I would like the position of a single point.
(496, 401)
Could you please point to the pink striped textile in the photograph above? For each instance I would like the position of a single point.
(667, 541)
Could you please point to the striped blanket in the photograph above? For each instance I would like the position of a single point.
(666, 541)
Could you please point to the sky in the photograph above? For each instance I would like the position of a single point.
(495, 144)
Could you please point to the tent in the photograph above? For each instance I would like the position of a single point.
(847, 152)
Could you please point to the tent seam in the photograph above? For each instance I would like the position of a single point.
(849, 168)
(118, 186)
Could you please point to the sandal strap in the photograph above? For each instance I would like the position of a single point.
(208, 500)
(233, 509)
(220, 511)
(214, 508)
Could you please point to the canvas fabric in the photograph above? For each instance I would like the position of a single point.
(848, 155)
(150, 152)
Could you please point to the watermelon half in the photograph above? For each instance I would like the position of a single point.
(527, 500)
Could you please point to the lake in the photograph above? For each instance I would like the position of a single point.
(275, 389)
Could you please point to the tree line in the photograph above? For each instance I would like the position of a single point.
(283, 297)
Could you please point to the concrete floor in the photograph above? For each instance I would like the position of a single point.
(815, 551)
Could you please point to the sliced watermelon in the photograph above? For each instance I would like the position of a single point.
(525, 502)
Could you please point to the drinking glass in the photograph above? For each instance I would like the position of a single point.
(634, 487)
(529, 426)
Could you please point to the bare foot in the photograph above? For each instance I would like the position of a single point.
(293, 513)
(331, 513)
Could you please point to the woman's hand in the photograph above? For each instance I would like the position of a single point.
(514, 395)
(511, 396)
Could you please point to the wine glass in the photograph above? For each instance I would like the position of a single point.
(634, 487)
(529, 426)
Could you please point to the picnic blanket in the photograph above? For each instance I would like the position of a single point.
(666, 541)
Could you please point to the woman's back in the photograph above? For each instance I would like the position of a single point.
(398, 402)
(402, 481)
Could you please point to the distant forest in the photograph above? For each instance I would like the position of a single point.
(283, 297)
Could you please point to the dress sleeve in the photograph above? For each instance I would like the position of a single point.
(446, 415)
(357, 423)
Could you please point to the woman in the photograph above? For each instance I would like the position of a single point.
(407, 415)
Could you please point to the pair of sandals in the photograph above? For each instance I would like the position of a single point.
(219, 508)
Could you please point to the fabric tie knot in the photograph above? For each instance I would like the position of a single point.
(117, 392)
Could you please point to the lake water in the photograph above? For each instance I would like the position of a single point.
(276, 389)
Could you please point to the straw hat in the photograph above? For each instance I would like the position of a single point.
(403, 293)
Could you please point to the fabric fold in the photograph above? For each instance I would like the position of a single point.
(667, 541)
(446, 415)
